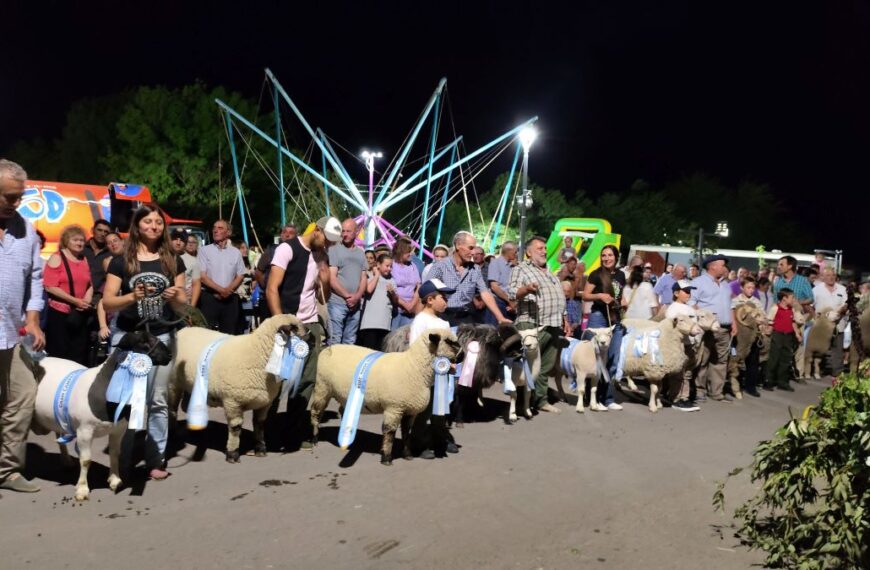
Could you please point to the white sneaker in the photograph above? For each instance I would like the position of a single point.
(614, 407)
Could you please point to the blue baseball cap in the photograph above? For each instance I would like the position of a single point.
(434, 286)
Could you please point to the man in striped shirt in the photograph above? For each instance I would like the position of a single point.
(20, 283)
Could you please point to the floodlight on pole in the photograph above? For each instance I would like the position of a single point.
(370, 157)
(527, 137)
(722, 229)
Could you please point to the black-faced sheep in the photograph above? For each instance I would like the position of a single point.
(656, 350)
(237, 377)
(398, 384)
(82, 409)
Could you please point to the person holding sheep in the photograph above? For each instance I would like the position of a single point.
(713, 293)
(295, 278)
(604, 290)
(680, 388)
(540, 308)
(783, 341)
(144, 285)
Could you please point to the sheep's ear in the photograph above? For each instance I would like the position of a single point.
(434, 339)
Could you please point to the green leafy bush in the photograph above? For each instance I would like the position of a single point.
(813, 508)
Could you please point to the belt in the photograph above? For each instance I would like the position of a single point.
(457, 312)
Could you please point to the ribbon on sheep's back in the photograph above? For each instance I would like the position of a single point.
(129, 385)
(61, 405)
(197, 408)
(466, 374)
(355, 399)
(641, 344)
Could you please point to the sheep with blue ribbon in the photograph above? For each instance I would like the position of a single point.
(395, 384)
(81, 404)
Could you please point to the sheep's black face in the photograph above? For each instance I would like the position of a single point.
(144, 342)
(293, 329)
(511, 342)
(444, 344)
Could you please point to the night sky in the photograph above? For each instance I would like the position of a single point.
(777, 93)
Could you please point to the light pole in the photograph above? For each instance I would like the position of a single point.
(527, 137)
(370, 157)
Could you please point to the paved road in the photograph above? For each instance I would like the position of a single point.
(623, 489)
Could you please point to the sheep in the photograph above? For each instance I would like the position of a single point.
(818, 341)
(398, 384)
(750, 321)
(707, 321)
(586, 359)
(237, 378)
(89, 414)
(518, 388)
(496, 344)
(671, 358)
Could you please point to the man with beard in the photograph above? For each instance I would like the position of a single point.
(540, 304)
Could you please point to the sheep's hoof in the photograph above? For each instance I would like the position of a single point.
(82, 494)
(581, 409)
(260, 450)
(738, 395)
(114, 483)
(512, 419)
(233, 456)
(653, 409)
(386, 460)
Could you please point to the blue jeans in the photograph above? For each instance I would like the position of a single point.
(400, 319)
(158, 409)
(343, 323)
(598, 320)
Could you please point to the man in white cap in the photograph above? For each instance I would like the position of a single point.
(294, 280)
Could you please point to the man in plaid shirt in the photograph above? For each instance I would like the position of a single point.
(540, 305)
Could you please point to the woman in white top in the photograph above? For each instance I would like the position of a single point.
(638, 298)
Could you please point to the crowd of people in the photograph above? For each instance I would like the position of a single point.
(345, 294)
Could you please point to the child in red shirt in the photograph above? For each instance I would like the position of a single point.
(783, 342)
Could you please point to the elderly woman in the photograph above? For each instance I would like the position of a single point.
(67, 281)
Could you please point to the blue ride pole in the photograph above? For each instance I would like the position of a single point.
(238, 179)
(429, 175)
(502, 206)
(444, 198)
(280, 157)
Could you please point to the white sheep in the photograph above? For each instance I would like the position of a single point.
(587, 358)
(654, 365)
(707, 321)
(86, 412)
(517, 388)
(237, 379)
(398, 384)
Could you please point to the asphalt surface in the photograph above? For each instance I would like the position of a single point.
(625, 489)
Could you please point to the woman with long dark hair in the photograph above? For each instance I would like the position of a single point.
(604, 289)
(639, 299)
(67, 279)
(144, 284)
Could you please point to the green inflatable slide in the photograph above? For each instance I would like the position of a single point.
(590, 236)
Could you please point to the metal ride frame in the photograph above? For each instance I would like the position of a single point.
(380, 196)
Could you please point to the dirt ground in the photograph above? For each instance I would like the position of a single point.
(625, 489)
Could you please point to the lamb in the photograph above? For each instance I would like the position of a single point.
(750, 321)
(818, 341)
(398, 384)
(586, 359)
(517, 388)
(88, 415)
(237, 378)
(669, 359)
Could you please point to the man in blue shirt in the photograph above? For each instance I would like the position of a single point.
(786, 270)
(20, 292)
(664, 286)
(713, 294)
